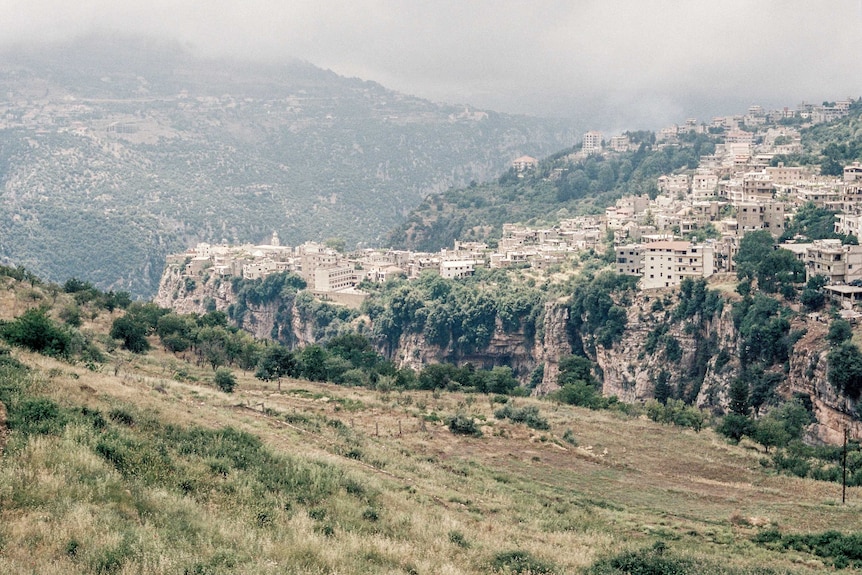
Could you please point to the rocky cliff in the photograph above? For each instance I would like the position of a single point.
(202, 293)
(629, 369)
(697, 356)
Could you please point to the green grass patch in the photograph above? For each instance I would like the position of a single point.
(834, 548)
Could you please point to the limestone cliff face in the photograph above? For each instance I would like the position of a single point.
(505, 349)
(809, 376)
(201, 293)
(702, 365)
(554, 344)
(630, 367)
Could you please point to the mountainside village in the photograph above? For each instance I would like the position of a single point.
(692, 227)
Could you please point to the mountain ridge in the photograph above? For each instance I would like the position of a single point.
(169, 151)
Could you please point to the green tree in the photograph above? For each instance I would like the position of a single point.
(276, 362)
(312, 361)
(779, 268)
(738, 397)
(770, 432)
(840, 331)
(662, 390)
(132, 331)
(735, 426)
(845, 369)
(794, 416)
(337, 244)
(37, 332)
(754, 248)
(812, 296)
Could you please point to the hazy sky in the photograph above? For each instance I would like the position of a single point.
(624, 63)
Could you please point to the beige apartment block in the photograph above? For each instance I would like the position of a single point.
(592, 143)
(666, 264)
(524, 163)
(839, 264)
(334, 278)
(752, 216)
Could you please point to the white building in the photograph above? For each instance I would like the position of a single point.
(457, 268)
(666, 264)
(592, 142)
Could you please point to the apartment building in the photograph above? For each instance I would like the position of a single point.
(665, 263)
(524, 163)
(457, 268)
(751, 216)
(327, 279)
(592, 143)
(628, 260)
(839, 264)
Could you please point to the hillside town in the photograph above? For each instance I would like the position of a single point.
(690, 229)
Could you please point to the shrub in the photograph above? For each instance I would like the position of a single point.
(71, 314)
(734, 426)
(458, 539)
(37, 332)
(528, 415)
(832, 546)
(461, 424)
(225, 380)
(581, 394)
(37, 416)
(132, 332)
(845, 369)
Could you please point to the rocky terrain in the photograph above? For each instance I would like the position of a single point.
(628, 369)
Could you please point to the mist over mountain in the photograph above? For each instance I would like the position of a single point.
(115, 152)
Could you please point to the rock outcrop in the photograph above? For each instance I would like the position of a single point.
(701, 368)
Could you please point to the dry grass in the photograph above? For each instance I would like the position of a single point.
(440, 503)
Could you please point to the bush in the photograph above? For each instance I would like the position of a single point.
(581, 394)
(734, 426)
(845, 369)
(461, 424)
(528, 415)
(458, 539)
(225, 380)
(675, 411)
(37, 332)
(37, 416)
(569, 437)
(832, 546)
(132, 332)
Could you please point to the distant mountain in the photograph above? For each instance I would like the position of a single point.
(114, 153)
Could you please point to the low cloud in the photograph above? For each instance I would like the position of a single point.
(622, 64)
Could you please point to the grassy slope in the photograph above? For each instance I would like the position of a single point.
(372, 501)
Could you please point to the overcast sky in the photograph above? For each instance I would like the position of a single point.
(622, 64)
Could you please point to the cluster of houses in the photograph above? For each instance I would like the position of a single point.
(691, 228)
(335, 276)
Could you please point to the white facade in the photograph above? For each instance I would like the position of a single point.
(592, 142)
(457, 268)
(666, 264)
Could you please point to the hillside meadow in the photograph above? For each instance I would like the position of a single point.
(139, 464)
